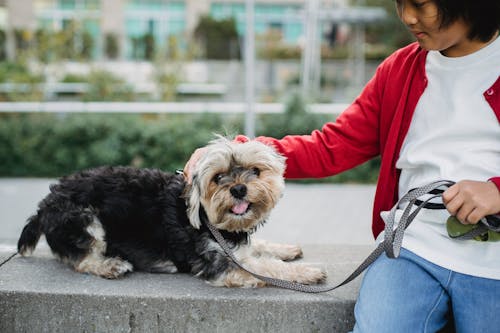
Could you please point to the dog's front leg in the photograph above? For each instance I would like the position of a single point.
(271, 267)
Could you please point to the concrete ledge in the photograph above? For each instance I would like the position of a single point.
(40, 294)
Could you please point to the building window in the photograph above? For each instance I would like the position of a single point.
(79, 4)
(149, 24)
(284, 18)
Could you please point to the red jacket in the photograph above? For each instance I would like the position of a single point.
(376, 123)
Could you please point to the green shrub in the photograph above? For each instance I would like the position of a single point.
(105, 86)
(48, 145)
(74, 78)
(8, 70)
(167, 80)
(26, 84)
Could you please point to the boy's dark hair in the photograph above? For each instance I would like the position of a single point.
(482, 15)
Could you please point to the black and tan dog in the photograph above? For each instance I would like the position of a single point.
(111, 220)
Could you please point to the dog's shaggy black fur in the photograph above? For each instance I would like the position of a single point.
(143, 215)
(112, 220)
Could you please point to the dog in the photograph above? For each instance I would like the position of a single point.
(109, 220)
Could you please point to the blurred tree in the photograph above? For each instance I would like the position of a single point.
(22, 39)
(86, 46)
(149, 46)
(270, 45)
(3, 45)
(64, 42)
(173, 49)
(219, 38)
(111, 46)
(44, 45)
(168, 70)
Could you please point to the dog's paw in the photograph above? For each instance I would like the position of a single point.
(109, 268)
(115, 268)
(310, 275)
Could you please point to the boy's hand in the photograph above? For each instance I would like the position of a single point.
(469, 201)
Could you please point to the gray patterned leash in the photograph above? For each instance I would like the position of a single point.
(393, 238)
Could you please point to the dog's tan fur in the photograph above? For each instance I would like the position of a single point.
(263, 193)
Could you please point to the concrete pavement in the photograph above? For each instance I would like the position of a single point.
(40, 294)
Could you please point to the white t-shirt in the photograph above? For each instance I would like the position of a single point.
(454, 135)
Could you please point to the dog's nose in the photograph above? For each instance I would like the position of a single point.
(238, 191)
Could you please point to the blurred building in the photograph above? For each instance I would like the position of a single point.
(126, 21)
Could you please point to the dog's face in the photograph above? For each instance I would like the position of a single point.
(237, 184)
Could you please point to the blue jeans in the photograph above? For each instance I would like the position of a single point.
(411, 294)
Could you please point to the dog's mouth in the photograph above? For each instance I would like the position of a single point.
(241, 208)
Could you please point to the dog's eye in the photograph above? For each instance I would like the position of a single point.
(256, 171)
(217, 178)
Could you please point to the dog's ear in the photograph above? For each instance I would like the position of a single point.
(193, 202)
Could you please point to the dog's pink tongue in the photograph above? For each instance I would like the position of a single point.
(240, 208)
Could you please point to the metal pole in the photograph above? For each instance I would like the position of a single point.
(306, 51)
(310, 52)
(316, 55)
(250, 69)
(359, 55)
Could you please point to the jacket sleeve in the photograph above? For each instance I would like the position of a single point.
(349, 141)
(496, 181)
